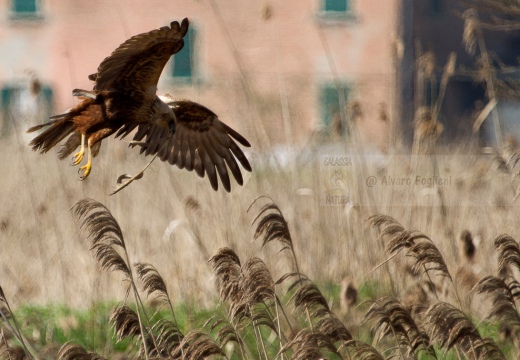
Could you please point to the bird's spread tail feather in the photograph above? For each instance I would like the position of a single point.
(57, 130)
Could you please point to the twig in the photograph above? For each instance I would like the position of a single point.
(135, 177)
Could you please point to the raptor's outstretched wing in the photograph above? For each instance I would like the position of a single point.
(135, 66)
(201, 142)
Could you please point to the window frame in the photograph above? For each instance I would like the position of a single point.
(194, 77)
(336, 15)
(25, 15)
(325, 115)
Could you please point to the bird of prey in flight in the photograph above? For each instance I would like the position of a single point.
(124, 99)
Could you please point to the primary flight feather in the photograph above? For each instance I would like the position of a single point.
(124, 99)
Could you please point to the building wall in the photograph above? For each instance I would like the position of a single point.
(261, 64)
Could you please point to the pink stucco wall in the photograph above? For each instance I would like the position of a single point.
(283, 58)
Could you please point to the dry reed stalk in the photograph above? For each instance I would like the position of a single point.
(258, 296)
(6, 314)
(507, 8)
(13, 353)
(284, 99)
(227, 268)
(169, 334)
(227, 334)
(154, 283)
(508, 253)
(449, 70)
(448, 327)
(426, 256)
(126, 323)
(503, 296)
(392, 320)
(250, 290)
(272, 224)
(308, 344)
(105, 235)
(332, 327)
(310, 298)
(363, 351)
(197, 345)
(471, 37)
(71, 351)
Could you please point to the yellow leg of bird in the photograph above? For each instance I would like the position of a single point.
(86, 168)
(78, 157)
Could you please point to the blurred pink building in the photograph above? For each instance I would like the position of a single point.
(276, 71)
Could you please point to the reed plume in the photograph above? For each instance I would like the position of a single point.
(101, 229)
(308, 344)
(227, 268)
(503, 308)
(250, 291)
(391, 320)
(448, 327)
(508, 253)
(426, 256)
(13, 353)
(71, 351)
(153, 283)
(197, 345)
(273, 226)
(364, 351)
(470, 35)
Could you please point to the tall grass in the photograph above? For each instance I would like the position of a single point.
(267, 317)
(156, 213)
(431, 293)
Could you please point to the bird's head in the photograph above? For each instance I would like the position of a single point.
(166, 118)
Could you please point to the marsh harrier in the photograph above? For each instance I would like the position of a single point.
(124, 99)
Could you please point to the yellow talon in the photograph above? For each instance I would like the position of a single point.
(78, 157)
(86, 168)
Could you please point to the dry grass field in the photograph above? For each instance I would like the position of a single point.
(175, 221)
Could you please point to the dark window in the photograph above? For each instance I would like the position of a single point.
(332, 104)
(25, 8)
(436, 7)
(183, 63)
(336, 5)
(336, 11)
(24, 107)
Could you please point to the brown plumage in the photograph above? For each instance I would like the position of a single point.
(201, 142)
(124, 98)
